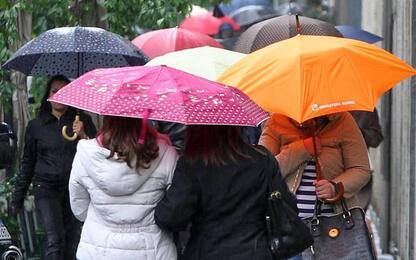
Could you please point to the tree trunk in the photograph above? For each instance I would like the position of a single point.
(19, 99)
(93, 16)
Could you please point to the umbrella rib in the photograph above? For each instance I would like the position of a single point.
(300, 78)
(177, 84)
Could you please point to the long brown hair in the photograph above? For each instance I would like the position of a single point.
(215, 144)
(120, 135)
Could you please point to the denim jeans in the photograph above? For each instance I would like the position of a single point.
(61, 228)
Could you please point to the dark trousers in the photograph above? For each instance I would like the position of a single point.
(61, 228)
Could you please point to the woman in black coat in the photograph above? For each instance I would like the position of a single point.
(46, 163)
(220, 187)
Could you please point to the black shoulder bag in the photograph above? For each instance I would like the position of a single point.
(287, 234)
(340, 236)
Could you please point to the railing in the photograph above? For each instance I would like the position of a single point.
(31, 235)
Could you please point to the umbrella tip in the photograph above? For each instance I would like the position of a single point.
(217, 12)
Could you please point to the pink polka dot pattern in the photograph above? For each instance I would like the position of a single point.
(168, 94)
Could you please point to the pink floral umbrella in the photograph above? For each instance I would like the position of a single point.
(160, 93)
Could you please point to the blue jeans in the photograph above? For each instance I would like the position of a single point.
(61, 228)
(297, 257)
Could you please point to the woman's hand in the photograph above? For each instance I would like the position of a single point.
(78, 127)
(324, 189)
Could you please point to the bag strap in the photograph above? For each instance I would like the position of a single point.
(318, 206)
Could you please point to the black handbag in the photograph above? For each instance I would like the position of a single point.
(287, 234)
(340, 236)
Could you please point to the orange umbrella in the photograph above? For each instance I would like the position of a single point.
(309, 76)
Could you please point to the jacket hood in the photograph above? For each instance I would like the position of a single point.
(114, 177)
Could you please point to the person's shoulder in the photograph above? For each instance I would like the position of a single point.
(35, 121)
(166, 150)
(261, 154)
(34, 124)
(343, 118)
(87, 144)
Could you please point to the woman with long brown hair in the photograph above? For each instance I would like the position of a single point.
(220, 187)
(116, 181)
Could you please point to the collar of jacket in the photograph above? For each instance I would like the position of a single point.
(331, 117)
(47, 118)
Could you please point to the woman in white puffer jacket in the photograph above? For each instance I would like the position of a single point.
(116, 182)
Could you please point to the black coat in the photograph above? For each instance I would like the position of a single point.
(225, 204)
(47, 157)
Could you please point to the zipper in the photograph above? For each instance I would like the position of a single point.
(61, 155)
(298, 173)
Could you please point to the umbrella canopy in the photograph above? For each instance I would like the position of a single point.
(212, 62)
(353, 32)
(161, 93)
(72, 51)
(251, 14)
(206, 23)
(160, 42)
(235, 4)
(309, 76)
(281, 28)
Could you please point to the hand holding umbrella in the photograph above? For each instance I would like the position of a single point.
(77, 129)
(72, 51)
(326, 190)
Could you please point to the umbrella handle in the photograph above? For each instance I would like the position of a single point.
(339, 188)
(66, 136)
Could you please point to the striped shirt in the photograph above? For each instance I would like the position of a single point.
(306, 193)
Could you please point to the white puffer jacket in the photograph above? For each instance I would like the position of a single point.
(117, 204)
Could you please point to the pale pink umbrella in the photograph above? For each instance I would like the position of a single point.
(159, 42)
(207, 23)
(160, 93)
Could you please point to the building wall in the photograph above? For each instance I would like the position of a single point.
(373, 13)
(348, 12)
(394, 178)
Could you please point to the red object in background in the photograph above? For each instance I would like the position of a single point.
(159, 42)
(207, 23)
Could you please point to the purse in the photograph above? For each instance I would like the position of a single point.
(287, 234)
(342, 236)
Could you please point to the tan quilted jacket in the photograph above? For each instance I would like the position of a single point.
(343, 156)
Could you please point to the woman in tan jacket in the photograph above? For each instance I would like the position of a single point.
(341, 152)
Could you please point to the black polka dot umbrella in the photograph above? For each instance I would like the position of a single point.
(72, 51)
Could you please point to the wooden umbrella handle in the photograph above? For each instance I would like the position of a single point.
(66, 136)
(339, 189)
